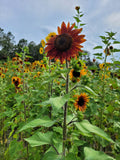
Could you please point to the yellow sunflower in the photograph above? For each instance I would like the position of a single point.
(102, 66)
(2, 75)
(43, 43)
(16, 81)
(81, 101)
(41, 50)
(51, 34)
(14, 59)
(66, 44)
(76, 75)
(38, 73)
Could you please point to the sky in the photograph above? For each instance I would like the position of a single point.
(33, 20)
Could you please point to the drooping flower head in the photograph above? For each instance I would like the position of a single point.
(66, 44)
(81, 101)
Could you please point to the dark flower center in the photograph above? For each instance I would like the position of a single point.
(81, 101)
(16, 83)
(13, 80)
(63, 42)
(76, 74)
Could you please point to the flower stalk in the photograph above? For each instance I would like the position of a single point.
(65, 111)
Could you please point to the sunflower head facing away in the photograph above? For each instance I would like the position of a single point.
(81, 101)
(66, 44)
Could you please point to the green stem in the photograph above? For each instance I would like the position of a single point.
(103, 98)
(50, 91)
(65, 112)
(24, 91)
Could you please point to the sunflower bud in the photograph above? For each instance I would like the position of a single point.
(77, 8)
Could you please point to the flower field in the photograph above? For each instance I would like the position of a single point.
(61, 107)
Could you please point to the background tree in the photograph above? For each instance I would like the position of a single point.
(6, 44)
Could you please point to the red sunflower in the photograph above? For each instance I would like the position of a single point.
(66, 44)
(81, 101)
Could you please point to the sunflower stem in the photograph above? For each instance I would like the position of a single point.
(103, 98)
(103, 91)
(65, 112)
(24, 103)
(50, 91)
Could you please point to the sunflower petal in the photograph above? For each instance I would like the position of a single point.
(63, 28)
(59, 30)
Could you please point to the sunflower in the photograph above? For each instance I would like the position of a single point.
(102, 66)
(38, 73)
(76, 75)
(81, 101)
(41, 50)
(41, 61)
(51, 34)
(16, 81)
(43, 43)
(2, 75)
(14, 59)
(41, 65)
(66, 44)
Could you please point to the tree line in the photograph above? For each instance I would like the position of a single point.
(8, 47)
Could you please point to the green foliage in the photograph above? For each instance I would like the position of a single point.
(39, 139)
(86, 129)
(56, 102)
(91, 154)
(98, 47)
(51, 155)
(40, 115)
(46, 122)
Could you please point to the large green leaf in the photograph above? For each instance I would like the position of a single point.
(86, 129)
(46, 122)
(39, 139)
(91, 154)
(57, 102)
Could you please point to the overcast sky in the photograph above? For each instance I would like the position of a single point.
(34, 19)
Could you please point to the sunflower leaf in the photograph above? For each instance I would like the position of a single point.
(86, 128)
(98, 47)
(52, 155)
(116, 42)
(39, 139)
(98, 54)
(91, 154)
(57, 102)
(77, 19)
(46, 122)
(90, 90)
